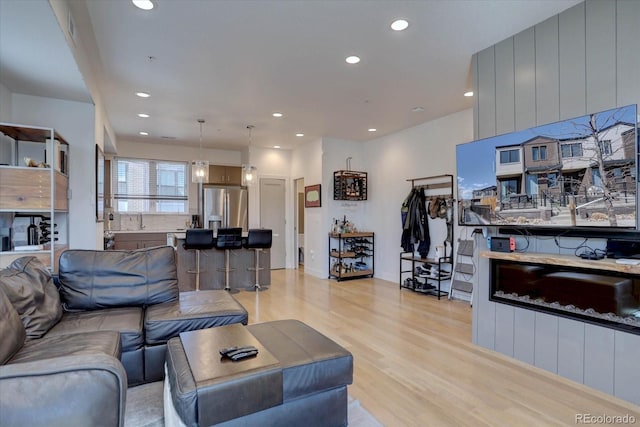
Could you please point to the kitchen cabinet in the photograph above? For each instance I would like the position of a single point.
(226, 175)
(34, 187)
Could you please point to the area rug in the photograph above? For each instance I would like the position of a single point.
(144, 408)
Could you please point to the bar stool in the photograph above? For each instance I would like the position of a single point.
(258, 239)
(197, 239)
(228, 238)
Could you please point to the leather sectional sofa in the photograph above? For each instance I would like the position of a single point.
(70, 349)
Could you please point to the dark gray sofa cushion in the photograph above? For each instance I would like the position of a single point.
(125, 320)
(193, 311)
(76, 390)
(30, 288)
(91, 279)
(104, 342)
(12, 333)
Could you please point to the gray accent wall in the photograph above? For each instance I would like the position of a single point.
(581, 61)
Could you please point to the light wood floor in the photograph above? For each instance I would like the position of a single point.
(414, 364)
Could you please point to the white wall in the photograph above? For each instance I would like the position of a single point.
(334, 158)
(75, 122)
(306, 162)
(574, 63)
(420, 151)
(424, 150)
(176, 151)
(5, 116)
(273, 163)
(5, 104)
(270, 163)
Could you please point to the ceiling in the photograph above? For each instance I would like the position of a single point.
(234, 63)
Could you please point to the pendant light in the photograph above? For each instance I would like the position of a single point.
(248, 171)
(200, 168)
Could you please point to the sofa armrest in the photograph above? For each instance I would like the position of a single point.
(63, 391)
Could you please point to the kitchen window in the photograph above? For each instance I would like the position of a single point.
(150, 186)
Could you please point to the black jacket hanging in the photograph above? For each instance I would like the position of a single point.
(415, 225)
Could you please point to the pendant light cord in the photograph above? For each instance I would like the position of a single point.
(250, 127)
(201, 121)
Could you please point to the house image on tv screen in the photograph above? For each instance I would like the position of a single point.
(578, 172)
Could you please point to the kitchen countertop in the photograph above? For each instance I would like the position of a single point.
(178, 233)
(181, 235)
(180, 230)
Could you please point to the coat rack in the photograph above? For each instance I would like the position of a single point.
(428, 280)
(439, 187)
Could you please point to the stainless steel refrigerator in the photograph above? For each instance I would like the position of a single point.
(224, 206)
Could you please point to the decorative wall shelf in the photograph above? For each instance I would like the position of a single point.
(349, 185)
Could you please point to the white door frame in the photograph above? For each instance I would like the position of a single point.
(254, 213)
(274, 207)
(296, 216)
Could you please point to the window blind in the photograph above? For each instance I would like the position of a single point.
(144, 185)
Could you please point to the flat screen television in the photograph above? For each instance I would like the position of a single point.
(581, 172)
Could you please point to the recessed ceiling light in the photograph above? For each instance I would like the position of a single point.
(399, 25)
(276, 146)
(417, 109)
(277, 114)
(372, 129)
(470, 93)
(299, 134)
(144, 133)
(143, 94)
(143, 4)
(352, 59)
(143, 115)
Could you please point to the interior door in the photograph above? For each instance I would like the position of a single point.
(272, 213)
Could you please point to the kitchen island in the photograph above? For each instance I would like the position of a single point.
(212, 264)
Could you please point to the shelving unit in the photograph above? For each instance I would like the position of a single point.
(33, 195)
(425, 282)
(351, 255)
(349, 185)
(437, 189)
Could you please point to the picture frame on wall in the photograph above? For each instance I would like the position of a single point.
(312, 196)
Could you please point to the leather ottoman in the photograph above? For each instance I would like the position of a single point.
(299, 377)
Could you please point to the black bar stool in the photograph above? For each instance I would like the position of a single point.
(258, 239)
(197, 239)
(228, 238)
